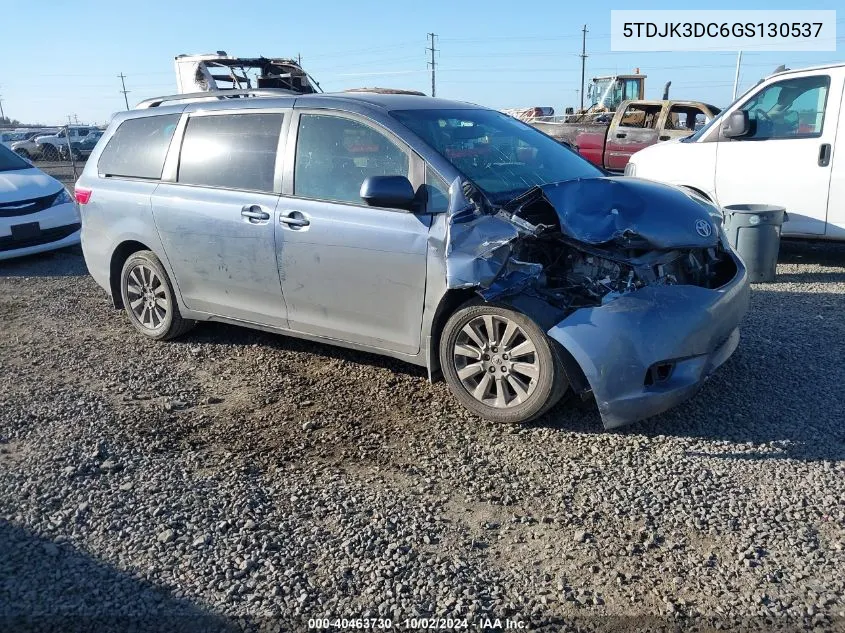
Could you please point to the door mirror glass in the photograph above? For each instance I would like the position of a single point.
(736, 125)
(393, 192)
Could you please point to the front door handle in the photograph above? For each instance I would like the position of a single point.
(621, 135)
(254, 213)
(824, 155)
(294, 219)
(663, 137)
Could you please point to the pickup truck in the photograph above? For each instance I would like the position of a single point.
(608, 139)
(48, 146)
(81, 149)
(776, 144)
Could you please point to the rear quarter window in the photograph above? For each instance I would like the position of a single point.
(138, 147)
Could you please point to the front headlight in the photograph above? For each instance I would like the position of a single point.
(630, 169)
(62, 198)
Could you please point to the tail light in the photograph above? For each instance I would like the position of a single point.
(82, 195)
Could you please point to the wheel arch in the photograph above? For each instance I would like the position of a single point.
(449, 302)
(123, 252)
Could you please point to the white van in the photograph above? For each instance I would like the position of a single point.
(776, 144)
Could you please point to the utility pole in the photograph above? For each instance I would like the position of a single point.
(736, 76)
(432, 63)
(299, 59)
(124, 91)
(583, 62)
(2, 114)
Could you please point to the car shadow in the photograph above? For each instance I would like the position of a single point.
(826, 277)
(780, 391)
(823, 253)
(221, 333)
(64, 262)
(49, 586)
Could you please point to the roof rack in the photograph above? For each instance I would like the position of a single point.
(217, 94)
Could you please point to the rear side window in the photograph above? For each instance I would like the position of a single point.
(234, 151)
(138, 147)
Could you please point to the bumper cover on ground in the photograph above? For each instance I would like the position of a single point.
(692, 329)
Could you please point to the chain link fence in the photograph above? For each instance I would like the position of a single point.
(59, 151)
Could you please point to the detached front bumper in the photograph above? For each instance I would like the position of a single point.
(650, 350)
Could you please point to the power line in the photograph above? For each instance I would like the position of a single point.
(432, 63)
(124, 91)
(583, 62)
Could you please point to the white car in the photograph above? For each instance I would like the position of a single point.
(37, 213)
(49, 144)
(10, 137)
(776, 144)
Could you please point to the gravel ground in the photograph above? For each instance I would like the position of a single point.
(240, 480)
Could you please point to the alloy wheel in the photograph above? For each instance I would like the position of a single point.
(147, 296)
(496, 361)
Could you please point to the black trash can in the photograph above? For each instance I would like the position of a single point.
(754, 232)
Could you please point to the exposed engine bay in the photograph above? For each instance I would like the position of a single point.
(578, 275)
(571, 259)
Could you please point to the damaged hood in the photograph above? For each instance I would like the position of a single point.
(614, 209)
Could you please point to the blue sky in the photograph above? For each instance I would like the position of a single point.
(498, 53)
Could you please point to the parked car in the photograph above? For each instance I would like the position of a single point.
(777, 144)
(441, 233)
(25, 145)
(49, 145)
(7, 137)
(81, 149)
(36, 212)
(609, 139)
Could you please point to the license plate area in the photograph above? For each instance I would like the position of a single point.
(27, 231)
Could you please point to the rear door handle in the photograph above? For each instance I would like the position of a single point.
(824, 155)
(294, 219)
(254, 213)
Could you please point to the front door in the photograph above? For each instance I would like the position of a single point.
(350, 271)
(216, 221)
(786, 159)
(636, 129)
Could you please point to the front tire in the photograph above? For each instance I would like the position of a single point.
(499, 364)
(148, 298)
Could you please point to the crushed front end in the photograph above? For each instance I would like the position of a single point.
(635, 280)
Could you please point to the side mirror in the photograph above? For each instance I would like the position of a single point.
(736, 125)
(393, 192)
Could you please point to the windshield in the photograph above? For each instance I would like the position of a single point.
(502, 156)
(596, 90)
(9, 161)
(701, 131)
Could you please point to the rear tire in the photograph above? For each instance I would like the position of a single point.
(149, 300)
(499, 364)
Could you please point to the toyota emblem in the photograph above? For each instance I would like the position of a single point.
(703, 228)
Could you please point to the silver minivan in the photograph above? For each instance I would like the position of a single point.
(441, 233)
